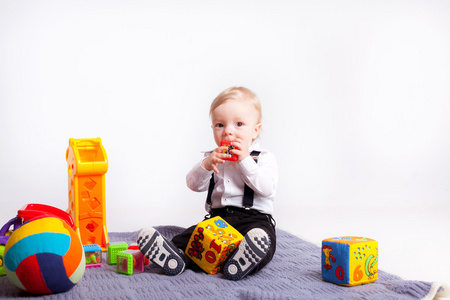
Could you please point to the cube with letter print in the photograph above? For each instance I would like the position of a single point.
(211, 243)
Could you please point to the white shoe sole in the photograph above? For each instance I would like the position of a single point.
(160, 252)
(252, 249)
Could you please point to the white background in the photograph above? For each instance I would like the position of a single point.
(355, 95)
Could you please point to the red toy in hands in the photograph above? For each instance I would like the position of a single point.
(224, 143)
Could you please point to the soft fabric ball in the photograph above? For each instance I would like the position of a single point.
(44, 256)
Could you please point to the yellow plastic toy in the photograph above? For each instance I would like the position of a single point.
(211, 243)
(350, 260)
(87, 164)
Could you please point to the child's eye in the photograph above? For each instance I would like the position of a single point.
(239, 124)
(219, 125)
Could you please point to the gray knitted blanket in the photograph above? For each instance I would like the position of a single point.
(294, 273)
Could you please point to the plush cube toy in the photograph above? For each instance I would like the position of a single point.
(130, 262)
(349, 260)
(211, 243)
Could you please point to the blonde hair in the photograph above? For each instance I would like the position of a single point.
(240, 94)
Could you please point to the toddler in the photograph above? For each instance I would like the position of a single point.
(242, 192)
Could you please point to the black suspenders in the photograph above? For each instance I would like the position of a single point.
(247, 200)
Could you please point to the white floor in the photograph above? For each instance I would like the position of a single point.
(414, 242)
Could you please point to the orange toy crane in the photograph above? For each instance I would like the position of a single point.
(87, 164)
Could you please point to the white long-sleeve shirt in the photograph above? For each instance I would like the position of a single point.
(261, 177)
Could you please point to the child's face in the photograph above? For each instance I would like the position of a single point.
(235, 119)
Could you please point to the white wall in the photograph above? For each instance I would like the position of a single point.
(355, 100)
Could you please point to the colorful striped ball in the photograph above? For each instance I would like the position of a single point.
(44, 256)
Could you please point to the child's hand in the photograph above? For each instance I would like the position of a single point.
(240, 149)
(216, 157)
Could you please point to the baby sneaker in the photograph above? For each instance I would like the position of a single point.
(252, 249)
(160, 251)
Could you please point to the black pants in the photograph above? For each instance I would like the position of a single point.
(243, 221)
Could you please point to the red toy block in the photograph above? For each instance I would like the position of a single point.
(234, 157)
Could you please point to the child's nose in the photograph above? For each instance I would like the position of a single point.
(228, 130)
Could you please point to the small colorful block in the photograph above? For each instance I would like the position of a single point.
(113, 249)
(130, 262)
(233, 157)
(93, 254)
(134, 246)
